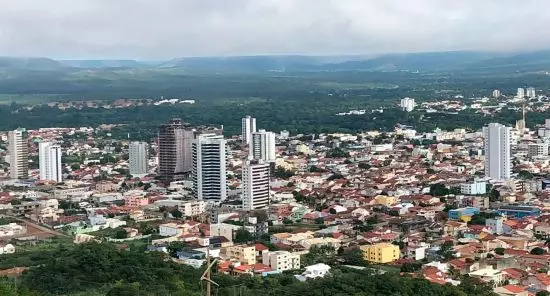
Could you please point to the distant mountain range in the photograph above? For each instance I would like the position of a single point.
(424, 62)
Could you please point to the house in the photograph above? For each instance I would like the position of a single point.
(489, 275)
(314, 271)
(380, 253)
(171, 229)
(7, 249)
(260, 248)
(539, 282)
(511, 290)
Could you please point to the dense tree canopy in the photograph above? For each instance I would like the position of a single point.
(104, 269)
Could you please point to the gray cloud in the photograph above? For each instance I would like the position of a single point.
(159, 29)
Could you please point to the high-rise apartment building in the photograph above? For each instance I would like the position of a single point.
(520, 93)
(171, 150)
(255, 185)
(138, 152)
(497, 140)
(531, 92)
(209, 167)
(407, 104)
(248, 127)
(262, 146)
(496, 93)
(19, 153)
(49, 158)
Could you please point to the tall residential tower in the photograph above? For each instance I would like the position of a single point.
(49, 157)
(209, 167)
(138, 158)
(255, 185)
(248, 127)
(171, 150)
(262, 146)
(497, 138)
(19, 154)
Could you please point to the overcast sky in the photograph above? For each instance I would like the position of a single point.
(162, 29)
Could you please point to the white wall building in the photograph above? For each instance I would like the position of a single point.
(19, 154)
(138, 158)
(531, 92)
(520, 92)
(209, 167)
(49, 156)
(496, 93)
(281, 260)
(473, 188)
(256, 189)
(248, 127)
(498, 164)
(262, 146)
(537, 149)
(407, 104)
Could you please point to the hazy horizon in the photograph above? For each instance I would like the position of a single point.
(167, 29)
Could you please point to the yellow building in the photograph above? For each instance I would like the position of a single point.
(244, 254)
(380, 253)
(385, 200)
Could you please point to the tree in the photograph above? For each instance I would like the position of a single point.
(354, 257)
(526, 175)
(175, 247)
(8, 289)
(121, 234)
(542, 293)
(176, 213)
(124, 289)
(438, 189)
(364, 166)
(537, 251)
(314, 169)
(499, 251)
(243, 236)
(75, 166)
(335, 177)
(411, 267)
(494, 195)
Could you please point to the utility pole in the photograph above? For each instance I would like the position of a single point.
(208, 271)
(206, 275)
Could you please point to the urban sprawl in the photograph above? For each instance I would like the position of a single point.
(436, 205)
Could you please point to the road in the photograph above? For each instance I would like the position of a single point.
(36, 226)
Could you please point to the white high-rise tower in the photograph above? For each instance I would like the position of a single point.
(19, 154)
(138, 158)
(520, 93)
(248, 127)
(49, 157)
(498, 165)
(209, 167)
(262, 146)
(256, 189)
(531, 92)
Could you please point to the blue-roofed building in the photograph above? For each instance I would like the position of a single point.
(464, 214)
(519, 211)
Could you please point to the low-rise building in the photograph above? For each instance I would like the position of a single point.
(243, 253)
(281, 260)
(473, 188)
(380, 253)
